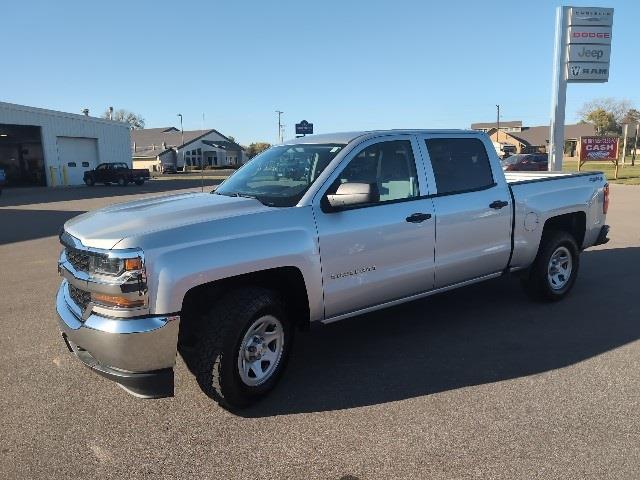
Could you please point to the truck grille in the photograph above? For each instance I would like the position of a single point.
(80, 297)
(78, 258)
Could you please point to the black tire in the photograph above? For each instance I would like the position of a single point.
(537, 283)
(220, 340)
(140, 181)
(89, 181)
(122, 182)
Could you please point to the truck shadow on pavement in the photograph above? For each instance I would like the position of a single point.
(20, 225)
(485, 333)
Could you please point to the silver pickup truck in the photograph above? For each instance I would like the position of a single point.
(316, 230)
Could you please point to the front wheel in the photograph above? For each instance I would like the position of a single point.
(89, 181)
(122, 182)
(243, 348)
(555, 268)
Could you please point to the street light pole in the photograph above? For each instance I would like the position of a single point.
(498, 124)
(182, 140)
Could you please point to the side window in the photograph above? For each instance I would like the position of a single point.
(459, 164)
(389, 167)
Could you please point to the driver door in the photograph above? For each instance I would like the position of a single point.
(382, 250)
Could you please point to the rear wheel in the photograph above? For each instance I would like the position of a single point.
(140, 181)
(243, 347)
(555, 268)
(122, 182)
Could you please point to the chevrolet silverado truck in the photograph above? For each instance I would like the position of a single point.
(115, 172)
(364, 221)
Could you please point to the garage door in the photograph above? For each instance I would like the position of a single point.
(77, 155)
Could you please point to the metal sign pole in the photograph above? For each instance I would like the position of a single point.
(558, 92)
(635, 146)
(624, 145)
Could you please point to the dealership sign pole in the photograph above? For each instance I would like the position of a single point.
(581, 55)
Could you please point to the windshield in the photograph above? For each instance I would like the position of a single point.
(280, 176)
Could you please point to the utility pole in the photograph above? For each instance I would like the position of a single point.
(498, 124)
(279, 112)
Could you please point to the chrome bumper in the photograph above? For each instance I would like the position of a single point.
(138, 353)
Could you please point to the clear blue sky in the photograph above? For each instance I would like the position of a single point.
(343, 65)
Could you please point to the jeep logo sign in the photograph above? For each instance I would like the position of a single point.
(589, 53)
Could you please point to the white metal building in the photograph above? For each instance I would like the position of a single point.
(46, 147)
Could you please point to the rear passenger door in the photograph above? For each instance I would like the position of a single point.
(472, 203)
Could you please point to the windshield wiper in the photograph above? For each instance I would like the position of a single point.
(237, 194)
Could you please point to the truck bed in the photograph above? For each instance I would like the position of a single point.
(527, 177)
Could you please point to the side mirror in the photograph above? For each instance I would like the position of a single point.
(349, 194)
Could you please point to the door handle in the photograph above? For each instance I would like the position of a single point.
(498, 204)
(418, 217)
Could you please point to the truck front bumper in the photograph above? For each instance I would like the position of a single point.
(137, 353)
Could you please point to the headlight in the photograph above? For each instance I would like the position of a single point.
(112, 265)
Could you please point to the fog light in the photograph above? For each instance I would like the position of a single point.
(116, 301)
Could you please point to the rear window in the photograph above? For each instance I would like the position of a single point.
(459, 164)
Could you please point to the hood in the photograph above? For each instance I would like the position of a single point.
(105, 227)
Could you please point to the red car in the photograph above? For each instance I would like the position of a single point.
(525, 162)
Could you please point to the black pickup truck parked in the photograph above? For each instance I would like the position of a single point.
(117, 172)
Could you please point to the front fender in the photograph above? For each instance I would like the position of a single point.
(197, 254)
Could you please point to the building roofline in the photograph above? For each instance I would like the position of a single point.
(57, 113)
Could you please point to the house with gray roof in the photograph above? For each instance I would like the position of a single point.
(158, 148)
(535, 139)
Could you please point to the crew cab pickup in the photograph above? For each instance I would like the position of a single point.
(116, 172)
(309, 232)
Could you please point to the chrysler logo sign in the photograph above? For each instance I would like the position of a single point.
(591, 16)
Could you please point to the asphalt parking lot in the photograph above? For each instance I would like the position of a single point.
(476, 383)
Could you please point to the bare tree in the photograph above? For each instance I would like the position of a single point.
(617, 108)
(135, 120)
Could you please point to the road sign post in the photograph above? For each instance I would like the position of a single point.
(582, 51)
(304, 128)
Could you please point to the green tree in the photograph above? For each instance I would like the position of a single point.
(135, 120)
(257, 147)
(604, 121)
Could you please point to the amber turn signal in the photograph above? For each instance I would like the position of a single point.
(133, 263)
(116, 301)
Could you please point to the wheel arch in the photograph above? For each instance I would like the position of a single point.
(288, 281)
(574, 223)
